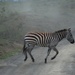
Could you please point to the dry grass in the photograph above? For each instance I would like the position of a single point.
(8, 49)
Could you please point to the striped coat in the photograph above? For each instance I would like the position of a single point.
(44, 39)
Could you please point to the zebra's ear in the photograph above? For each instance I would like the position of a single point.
(69, 29)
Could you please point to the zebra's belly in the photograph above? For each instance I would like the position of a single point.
(37, 43)
(43, 44)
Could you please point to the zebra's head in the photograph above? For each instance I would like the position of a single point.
(69, 36)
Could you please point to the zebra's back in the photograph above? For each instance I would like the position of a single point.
(38, 38)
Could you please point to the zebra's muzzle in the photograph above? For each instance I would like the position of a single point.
(72, 42)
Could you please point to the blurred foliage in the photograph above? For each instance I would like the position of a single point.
(2, 14)
(10, 27)
(18, 18)
(11, 31)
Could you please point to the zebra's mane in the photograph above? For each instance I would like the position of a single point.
(63, 30)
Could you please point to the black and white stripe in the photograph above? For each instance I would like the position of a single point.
(43, 39)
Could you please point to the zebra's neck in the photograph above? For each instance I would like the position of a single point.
(61, 35)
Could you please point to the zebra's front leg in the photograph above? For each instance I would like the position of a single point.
(48, 52)
(56, 53)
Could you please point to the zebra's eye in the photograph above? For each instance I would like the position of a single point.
(70, 34)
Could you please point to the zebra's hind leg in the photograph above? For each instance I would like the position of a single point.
(33, 60)
(56, 53)
(25, 57)
(31, 46)
(48, 52)
(25, 53)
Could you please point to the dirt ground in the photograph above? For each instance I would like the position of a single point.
(62, 65)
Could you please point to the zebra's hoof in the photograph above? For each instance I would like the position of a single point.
(53, 58)
(33, 60)
(45, 61)
(25, 59)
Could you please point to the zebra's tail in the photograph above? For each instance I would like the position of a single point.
(24, 47)
(25, 51)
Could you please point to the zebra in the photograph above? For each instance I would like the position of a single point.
(45, 39)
